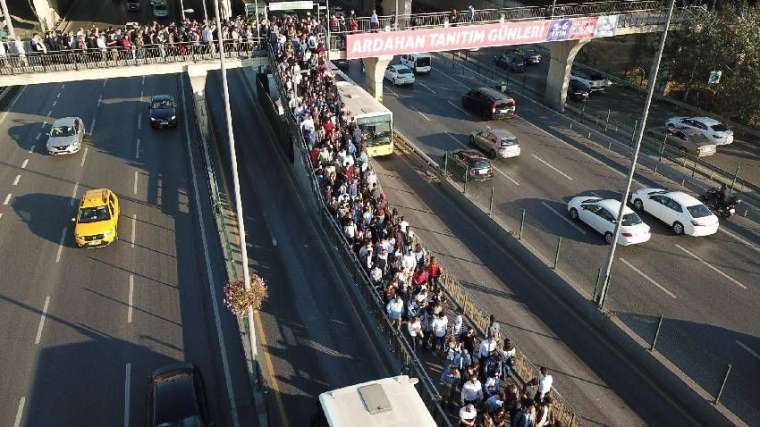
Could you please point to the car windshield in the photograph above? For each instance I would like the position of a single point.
(698, 211)
(480, 164)
(62, 131)
(423, 62)
(506, 142)
(630, 219)
(720, 127)
(161, 104)
(99, 213)
(403, 70)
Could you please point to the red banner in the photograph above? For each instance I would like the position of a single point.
(366, 45)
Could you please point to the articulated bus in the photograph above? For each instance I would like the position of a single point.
(388, 402)
(372, 117)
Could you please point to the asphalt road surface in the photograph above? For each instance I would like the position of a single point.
(692, 282)
(313, 339)
(85, 328)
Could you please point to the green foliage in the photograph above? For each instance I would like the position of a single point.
(727, 40)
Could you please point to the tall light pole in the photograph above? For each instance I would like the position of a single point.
(236, 185)
(205, 12)
(7, 15)
(639, 137)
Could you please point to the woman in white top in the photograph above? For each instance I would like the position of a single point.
(414, 327)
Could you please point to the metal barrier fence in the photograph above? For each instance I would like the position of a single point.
(81, 59)
(396, 342)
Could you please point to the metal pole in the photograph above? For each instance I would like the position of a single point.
(656, 334)
(182, 9)
(327, 14)
(7, 15)
(639, 137)
(236, 187)
(490, 204)
(556, 254)
(205, 12)
(522, 224)
(736, 175)
(396, 18)
(258, 24)
(723, 384)
(554, 4)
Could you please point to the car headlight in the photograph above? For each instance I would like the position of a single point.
(172, 117)
(107, 233)
(153, 119)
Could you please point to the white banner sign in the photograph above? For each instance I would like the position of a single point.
(291, 5)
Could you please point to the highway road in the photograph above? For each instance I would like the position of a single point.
(313, 338)
(690, 281)
(85, 328)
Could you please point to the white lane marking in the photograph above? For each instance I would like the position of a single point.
(100, 99)
(564, 218)
(274, 242)
(7, 199)
(142, 82)
(426, 87)
(127, 382)
(50, 113)
(141, 94)
(16, 180)
(31, 149)
(209, 271)
(42, 320)
(421, 113)
(37, 138)
(13, 104)
(465, 112)
(1, 215)
(59, 95)
(84, 157)
(139, 122)
(134, 187)
(92, 125)
(42, 125)
(134, 227)
(63, 86)
(463, 145)
(391, 91)
(20, 411)
(746, 243)
(137, 149)
(131, 292)
(711, 267)
(549, 165)
(74, 194)
(652, 281)
(24, 163)
(749, 350)
(60, 245)
(104, 82)
(54, 102)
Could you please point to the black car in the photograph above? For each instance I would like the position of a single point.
(513, 61)
(469, 165)
(133, 5)
(489, 103)
(343, 64)
(177, 397)
(578, 91)
(162, 111)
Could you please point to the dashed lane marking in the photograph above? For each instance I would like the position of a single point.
(20, 411)
(74, 194)
(31, 149)
(92, 125)
(458, 108)
(84, 157)
(426, 87)
(42, 320)
(749, 350)
(24, 163)
(550, 166)
(7, 199)
(131, 293)
(137, 148)
(127, 383)
(711, 267)
(60, 245)
(134, 187)
(652, 281)
(16, 180)
(134, 227)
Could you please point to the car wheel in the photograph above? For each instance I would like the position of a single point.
(678, 228)
(472, 140)
(492, 153)
(638, 205)
(574, 214)
(608, 238)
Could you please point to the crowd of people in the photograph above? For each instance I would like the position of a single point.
(132, 41)
(477, 375)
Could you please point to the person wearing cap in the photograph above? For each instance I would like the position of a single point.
(467, 415)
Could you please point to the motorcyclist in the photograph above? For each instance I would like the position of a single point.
(721, 195)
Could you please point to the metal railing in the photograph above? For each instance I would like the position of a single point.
(112, 57)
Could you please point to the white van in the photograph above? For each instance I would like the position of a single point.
(418, 62)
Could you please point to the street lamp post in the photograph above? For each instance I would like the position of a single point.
(7, 15)
(632, 171)
(236, 186)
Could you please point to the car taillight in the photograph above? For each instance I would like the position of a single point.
(493, 107)
(473, 172)
(627, 234)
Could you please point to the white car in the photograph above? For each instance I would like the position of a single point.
(601, 214)
(714, 130)
(66, 136)
(399, 75)
(595, 81)
(496, 142)
(680, 211)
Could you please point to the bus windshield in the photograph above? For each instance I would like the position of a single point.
(376, 133)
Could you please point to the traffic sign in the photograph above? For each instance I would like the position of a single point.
(714, 77)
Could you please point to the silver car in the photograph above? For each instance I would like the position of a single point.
(66, 136)
(496, 142)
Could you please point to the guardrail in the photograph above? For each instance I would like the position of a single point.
(112, 57)
(523, 369)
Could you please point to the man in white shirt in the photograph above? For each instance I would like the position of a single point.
(545, 381)
(486, 347)
(472, 391)
(395, 308)
(467, 415)
(440, 324)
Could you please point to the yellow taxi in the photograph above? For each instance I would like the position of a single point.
(97, 218)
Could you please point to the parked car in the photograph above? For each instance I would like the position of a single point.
(177, 397)
(162, 111)
(532, 56)
(66, 136)
(685, 139)
(418, 62)
(133, 5)
(399, 75)
(512, 61)
(496, 142)
(160, 9)
(489, 103)
(578, 91)
(711, 128)
(469, 165)
(596, 82)
(601, 215)
(97, 219)
(678, 210)
(343, 64)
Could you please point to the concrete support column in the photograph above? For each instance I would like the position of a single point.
(404, 7)
(375, 69)
(197, 77)
(562, 57)
(47, 15)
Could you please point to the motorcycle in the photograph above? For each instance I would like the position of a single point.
(718, 202)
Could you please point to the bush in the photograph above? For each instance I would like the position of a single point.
(237, 298)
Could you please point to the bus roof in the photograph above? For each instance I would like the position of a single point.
(358, 101)
(389, 402)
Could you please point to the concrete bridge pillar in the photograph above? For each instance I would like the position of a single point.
(375, 68)
(197, 76)
(389, 7)
(562, 57)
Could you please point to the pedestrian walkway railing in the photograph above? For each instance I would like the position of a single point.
(113, 57)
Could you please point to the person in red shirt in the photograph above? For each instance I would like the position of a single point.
(434, 271)
(420, 276)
